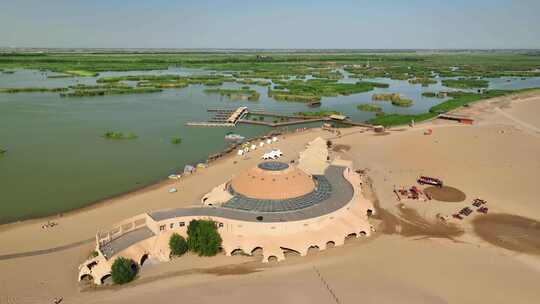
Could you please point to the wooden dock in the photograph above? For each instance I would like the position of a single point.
(283, 123)
(222, 118)
(209, 124)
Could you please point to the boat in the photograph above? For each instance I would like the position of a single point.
(172, 190)
(233, 136)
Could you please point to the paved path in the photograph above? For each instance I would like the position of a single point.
(45, 251)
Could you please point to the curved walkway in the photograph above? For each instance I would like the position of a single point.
(342, 192)
(241, 202)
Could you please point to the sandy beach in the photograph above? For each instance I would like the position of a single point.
(493, 258)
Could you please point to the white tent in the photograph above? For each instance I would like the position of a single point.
(261, 144)
(253, 147)
(274, 139)
(269, 141)
(240, 152)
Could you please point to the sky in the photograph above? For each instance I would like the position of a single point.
(279, 24)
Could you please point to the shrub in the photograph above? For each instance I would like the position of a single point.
(123, 270)
(203, 237)
(176, 140)
(177, 244)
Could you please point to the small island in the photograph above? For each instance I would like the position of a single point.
(395, 98)
(369, 107)
(465, 83)
(245, 93)
(119, 135)
(423, 81)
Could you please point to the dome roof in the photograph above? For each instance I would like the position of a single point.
(273, 181)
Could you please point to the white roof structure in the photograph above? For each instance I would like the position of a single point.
(313, 160)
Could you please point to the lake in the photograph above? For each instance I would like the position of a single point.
(58, 161)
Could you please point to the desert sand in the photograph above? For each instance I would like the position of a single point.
(412, 258)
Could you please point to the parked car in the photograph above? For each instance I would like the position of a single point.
(426, 180)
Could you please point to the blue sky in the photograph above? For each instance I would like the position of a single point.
(271, 23)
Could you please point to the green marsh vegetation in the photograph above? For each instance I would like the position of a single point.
(396, 65)
(465, 83)
(108, 91)
(316, 114)
(395, 98)
(118, 135)
(32, 90)
(423, 81)
(369, 107)
(263, 83)
(176, 140)
(458, 99)
(236, 94)
(313, 89)
(435, 94)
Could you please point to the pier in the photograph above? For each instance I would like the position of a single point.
(230, 117)
(222, 118)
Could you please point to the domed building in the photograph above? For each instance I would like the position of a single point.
(273, 208)
(273, 181)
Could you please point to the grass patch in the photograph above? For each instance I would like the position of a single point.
(423, 81)
(119, 135)
(32, 90)
(458, 99)
(313, 89)
(98, 91)
(236, 94)
(323, 113)
(465, 83)
(82, 73)
(395, 98)
(369, 107)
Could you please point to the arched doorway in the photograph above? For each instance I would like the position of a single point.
(313, 249)
(106, 279)
(363, 233)
(143, 259)
(330, 244)
(238, 252)
(289, 252)
(257, 251)
(86, 278)
(272, 259)
(350, 237)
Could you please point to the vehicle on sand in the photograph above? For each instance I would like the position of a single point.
(426, 180)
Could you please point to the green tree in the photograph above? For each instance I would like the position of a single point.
(203, 237)
(123, 270)
(177, 244)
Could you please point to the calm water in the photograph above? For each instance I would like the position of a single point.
(57, 160)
